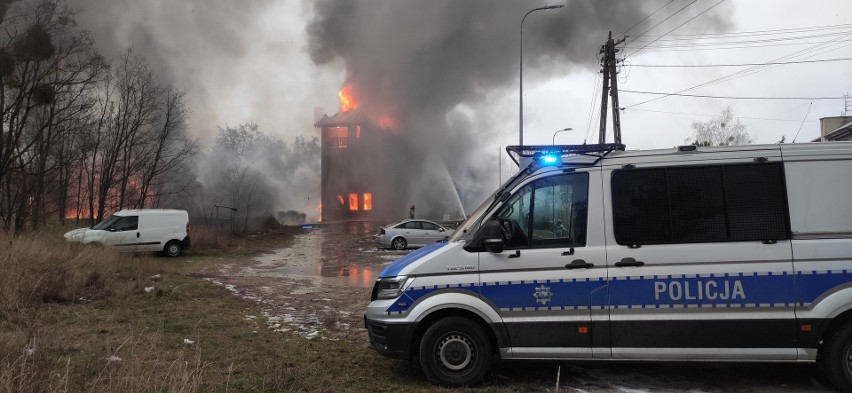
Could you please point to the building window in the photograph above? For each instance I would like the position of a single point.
(368, 201)
(353, 202)
(338, 137)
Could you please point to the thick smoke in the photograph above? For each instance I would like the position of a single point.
(435, 66)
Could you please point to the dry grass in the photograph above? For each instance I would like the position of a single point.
(76, 318)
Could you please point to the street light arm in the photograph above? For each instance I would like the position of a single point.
(521, 71)
(553, 142)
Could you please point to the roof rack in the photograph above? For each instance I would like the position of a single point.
(535, 151)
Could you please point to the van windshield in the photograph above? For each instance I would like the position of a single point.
(469, 226)
(105, 224)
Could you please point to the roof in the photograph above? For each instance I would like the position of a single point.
(347, 118)
(843, 131)
(146, 212)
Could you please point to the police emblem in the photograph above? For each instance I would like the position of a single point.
(542, 294)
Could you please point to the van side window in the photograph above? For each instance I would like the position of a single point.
(550, 212)
(127, 223)
(711, 203)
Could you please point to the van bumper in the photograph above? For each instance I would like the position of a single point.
(392, 340)
(186, 243)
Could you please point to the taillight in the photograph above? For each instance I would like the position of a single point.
(187, 228)
(381, 231)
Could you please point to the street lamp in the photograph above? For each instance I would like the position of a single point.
(521, 70)
(553, 142)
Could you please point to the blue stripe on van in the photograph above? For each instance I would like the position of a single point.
(395, 267)
(763, 290)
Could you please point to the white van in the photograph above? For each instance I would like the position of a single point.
(594, 253)
(161, 230)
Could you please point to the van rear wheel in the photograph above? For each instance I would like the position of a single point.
(836, 360)
(455, 352)
(172, 249)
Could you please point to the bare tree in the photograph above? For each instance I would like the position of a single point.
(724, 130)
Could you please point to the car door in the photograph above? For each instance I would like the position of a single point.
(431, 232)
(548, 286)
(124, 233)
(700, 262)
(413, 233)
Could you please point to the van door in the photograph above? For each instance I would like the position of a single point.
(544, 282)
(700, 262)
(124, 233)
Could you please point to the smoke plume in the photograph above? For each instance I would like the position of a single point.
(436, 66)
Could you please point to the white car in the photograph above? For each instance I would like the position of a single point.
(161, 230)
(411, 233)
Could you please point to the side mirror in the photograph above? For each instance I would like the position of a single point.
(441, 229)
(492, 237)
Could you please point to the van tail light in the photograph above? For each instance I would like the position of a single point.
(381, 231)
(187, 228)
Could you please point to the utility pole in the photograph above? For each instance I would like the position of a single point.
(608, 69)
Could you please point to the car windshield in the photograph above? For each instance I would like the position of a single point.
(105, 224)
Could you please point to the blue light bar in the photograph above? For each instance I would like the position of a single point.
(549, 159)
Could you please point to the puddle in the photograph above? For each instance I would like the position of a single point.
(345, 251)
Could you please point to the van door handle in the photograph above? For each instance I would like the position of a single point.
(579, 264)
(137, 235)
(629, 262)
(517, 254)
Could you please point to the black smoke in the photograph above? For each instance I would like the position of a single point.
(436, 65)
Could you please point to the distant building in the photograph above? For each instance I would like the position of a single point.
(359, 180)
(837, 128)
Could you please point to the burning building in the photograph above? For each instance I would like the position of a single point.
(358, 178)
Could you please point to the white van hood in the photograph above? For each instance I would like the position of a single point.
(76, 235)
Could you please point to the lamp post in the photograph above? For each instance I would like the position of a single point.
(553, 142)
(521, 70)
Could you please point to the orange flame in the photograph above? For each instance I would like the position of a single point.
(347, 100)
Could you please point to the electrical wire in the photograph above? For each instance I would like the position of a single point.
(745, 72)
(649, 15)
(715, 115)
(679, 37)
(730, 97)
(678, 26)
(803, 122)
(738, 65)
(592, 106)
(742, 42)
(662, 21)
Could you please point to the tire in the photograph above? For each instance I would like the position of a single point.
(455, 352)
(399, 243)
(172, 249)
(836, 360)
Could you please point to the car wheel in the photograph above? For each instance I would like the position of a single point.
(172, 249)
(399, 243)
(455, 352)
(836, 360)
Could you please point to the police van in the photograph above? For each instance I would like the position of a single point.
(590, 252)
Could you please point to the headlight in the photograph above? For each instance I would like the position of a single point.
(390, 287)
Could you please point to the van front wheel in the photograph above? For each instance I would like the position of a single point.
(837, 358)
(455, 352)
(172, 249)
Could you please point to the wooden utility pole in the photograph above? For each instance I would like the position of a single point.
(608, 69)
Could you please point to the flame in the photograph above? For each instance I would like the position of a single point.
(368, 201)
(353, 202)
(340, 199)
(386, 122)
(319, 211)
(347, 100)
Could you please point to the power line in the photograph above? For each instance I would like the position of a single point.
(714, 115)
(692, 43)
(731, 97)
(738, 65)
(661, 22)
(748, 71)
(676, 37)
(649, 15)
(678, 26)
(746, 46)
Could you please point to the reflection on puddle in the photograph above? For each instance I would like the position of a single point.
(343, 250)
